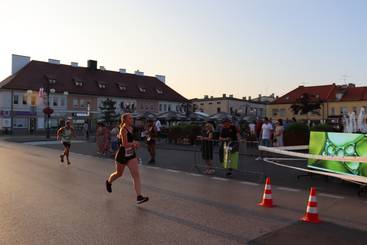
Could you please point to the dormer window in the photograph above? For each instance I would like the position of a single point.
(121, 86)
(142, 89)
(78, 82)
(159, 91)
(101, 85)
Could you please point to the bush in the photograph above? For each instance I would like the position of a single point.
(296, 134)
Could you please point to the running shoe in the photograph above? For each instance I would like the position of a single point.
(69, 162)
(62, 158)
(140, 199)
(108, 186)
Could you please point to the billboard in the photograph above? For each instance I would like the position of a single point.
(338, 144)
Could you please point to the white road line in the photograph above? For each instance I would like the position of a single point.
(218, 178)
(150, 167)
(172, 170)
(249, 183)
(196, 175)
(330, 195)
(287, 189)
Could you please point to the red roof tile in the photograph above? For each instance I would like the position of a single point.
(33, 77)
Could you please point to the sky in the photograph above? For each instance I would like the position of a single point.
(203, 47)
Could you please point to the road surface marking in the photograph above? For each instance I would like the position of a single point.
(196, 175)
(151, 167)
(287, 189)
(330, 195)
(218, 178)
(172, 170)
(249, 183)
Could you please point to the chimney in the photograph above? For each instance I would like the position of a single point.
(161, 78)
(74, 64)
(53, 61)
(224, 95)
(259, 96)
(139, 73)
(272, 95)
(92, 64)
(249, 98)
(206, 97)
(102, 68)
(244, 98)
(122, 70)
(231, 96)
(18, 62)
(211, 97)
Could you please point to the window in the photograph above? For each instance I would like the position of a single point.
(160, 107)
(332, 111)
(15, 99)
(20, 123)
(282, 112)
(159, 91)
(82, 103)
(75, 103)
(101, 85)
(169, 107)
(142, 89)
(201, 103)
(218, 109)
(210, 103)
(343, 110)
(218, 102)
(275, 112)
(165, 107)
(122, 105)
(24, 100)
(62, 101)
(55, 101)
(121, 86)
(78, 82)
(132, 106)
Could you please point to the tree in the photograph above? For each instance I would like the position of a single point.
(307, 103)
(108, 111)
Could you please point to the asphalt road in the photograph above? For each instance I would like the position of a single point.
(45, 202)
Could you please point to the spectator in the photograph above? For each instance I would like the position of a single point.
(207, 146)
(230, 139)
(151, 134)
(114, 138)
(99, 138)
(86, 130)
(265, 135)
(278, 133)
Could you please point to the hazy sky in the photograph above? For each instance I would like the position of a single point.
(239, 47)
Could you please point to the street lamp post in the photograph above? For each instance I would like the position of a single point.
(47, 110)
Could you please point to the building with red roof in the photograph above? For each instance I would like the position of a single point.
(335, 101)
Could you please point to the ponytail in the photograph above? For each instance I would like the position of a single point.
(122, 119)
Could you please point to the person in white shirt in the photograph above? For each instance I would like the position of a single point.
(158, 125)
(265, 135)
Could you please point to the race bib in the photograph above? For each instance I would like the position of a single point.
(129, 151)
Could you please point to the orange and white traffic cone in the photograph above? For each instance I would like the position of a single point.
(267, 199)
(311, 215)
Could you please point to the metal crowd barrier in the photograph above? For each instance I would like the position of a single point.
(247, 151)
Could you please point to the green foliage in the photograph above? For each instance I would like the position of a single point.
(307, 103)
(108, 110)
